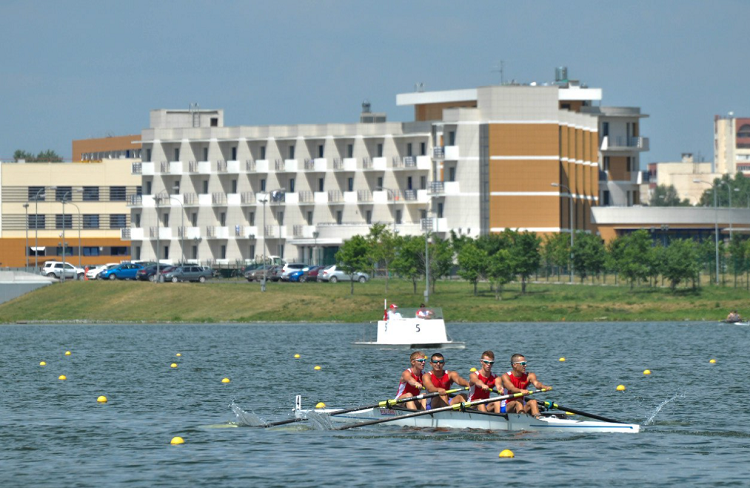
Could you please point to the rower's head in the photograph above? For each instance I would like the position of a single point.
(417, 360)
(518, 363)
(437, 361)
(488, 359)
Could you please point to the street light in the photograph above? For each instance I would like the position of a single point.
(26, 252)
(572, 225)
(36, 223)
(279, 195)
(263, 280)
(164, 194)
(65, 197)
(80, 224)
(716, 225)
(729, 192)
(315, 247)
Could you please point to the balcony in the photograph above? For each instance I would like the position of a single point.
(248, 198)
(147, 169)
(205, 200)
(190, 200)
(316, 165)
(374, 164)
(126, 233)
(245, 231)
(234, 199)
(364, 196)
(346, 164)
(443, 188)
(303, 231)
(219, 199)
(199, 167)
(350, 197)
(434, 224)
(217, 232)
(306, 198)
(135, 200)
(189, 232)
(335, 196)
(136, 168)
(285, 165)
(261, 166)
(321, 197)
(275, 231)
(622, 143)
(164, 233)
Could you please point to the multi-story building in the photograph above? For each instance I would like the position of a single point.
(115, 147)
(473, 161)
(33, 217)
(685, 175)
(731, 144)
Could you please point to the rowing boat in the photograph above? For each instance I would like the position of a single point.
(469, 419)
(412, 328)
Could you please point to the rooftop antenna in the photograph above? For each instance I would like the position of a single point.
(194, 110)
(419, 87)
(501, 70)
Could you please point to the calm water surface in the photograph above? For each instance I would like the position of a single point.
(54, 433)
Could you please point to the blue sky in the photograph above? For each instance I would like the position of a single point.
(78, 69)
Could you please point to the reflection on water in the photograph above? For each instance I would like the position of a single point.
(54, 433)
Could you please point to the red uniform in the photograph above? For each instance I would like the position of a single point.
(520, 382)
(406, 388)
(478, 393)
(445, 382)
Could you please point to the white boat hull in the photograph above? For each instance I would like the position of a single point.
(473, 420)
(409, 331)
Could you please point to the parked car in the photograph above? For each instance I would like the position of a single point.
(291, 268)
(257, 274)
(149, 272)
(189, 273)
(311, 274)
(123, 271)
(55, 269)
(248, 272)
(333, 275)
(296, 276)
(94, 271)
(275, 273)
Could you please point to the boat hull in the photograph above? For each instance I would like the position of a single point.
(420, 345)
(473, 420)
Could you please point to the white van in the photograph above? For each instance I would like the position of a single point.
(55, 269)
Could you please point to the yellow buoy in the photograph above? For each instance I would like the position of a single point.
(173, 365)
(178, 355)
(102, 399)
(647, 372)
(296, 356)
(320, 405)
(42, 364)
(316, 368)
(67, 353)
(562, 360)
(62, 377)
(473, 370)
(177, 440)
(225, 380)
(507, 453)
(713, 361)
(620, 387)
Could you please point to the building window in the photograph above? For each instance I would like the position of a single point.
(350, 184)
(291, 152)
(137, 252)
(176, 154)
(452, 138)
(234, 153)
(262, 152)
(440, 210)
(252, 250)
(423, 182)
(368, 216)
(398, 216)
(63, 192)
(350, 150)
(136, 220)
(380, 182)
(33, 191)
(117, 194)
(605, 198)
(408, 183)
(291, 185)
(91, 251)
(148, 188)
(205, 187)
(165, 219)
(408, 149)
(194, 219)
(320, 150)
(176, 188)
(117, 221)
(148, 155)
(118, 251)
(36, 221)
(605, 129)
(309, 217)
(422, 149)
(423, 214)
(214, 122)
(251, 218)
(339, 216)
(63, 221)
(223, 251)
(452, 173)
(166, 252)
(90, 193)
(380, 150)
(280, 217)
(90, 221)
(234, 186)
(139, 190)
(195, 252)
(263, 184)
(222, 219)
(606, 163)
(320, 184)
(205, 154)
(744, 131)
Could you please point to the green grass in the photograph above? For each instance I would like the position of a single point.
(237, 301)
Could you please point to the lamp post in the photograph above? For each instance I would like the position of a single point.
(572, 225)
(64, 198)
(279, 195)
(80, 224)
(164, 194)
(315, 247)
(263, 280)
(36, 223)
(729, 191)
(716, 225)
(26, 252)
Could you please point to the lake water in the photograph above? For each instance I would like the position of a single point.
(54, 433)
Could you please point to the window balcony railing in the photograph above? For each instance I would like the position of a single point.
(221, 166)
(335, 196)
(219, 198)
(248, 198)
(136, 168)
(250, 166)
(306, 197)
(437, 188)
(438, 152)
(364, 196)
(134, 200)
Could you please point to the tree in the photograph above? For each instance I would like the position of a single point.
(525, 253)
(556, 251)
(615, 250)
(680, 262)
(667, 196)
(472, 263)
(409, 261)
(737, 254)
(441, 259)
(500, 270)
(382, 244)
(48, 156)
(632, 264)
(588, 255)
(353, 257)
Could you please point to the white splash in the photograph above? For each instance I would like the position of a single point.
(246, 419)
(650, 419)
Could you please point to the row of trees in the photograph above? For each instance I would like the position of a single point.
(48, 156)
(511, 255)
(735, 188)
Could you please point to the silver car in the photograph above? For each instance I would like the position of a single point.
(188, 273)
(333, 274)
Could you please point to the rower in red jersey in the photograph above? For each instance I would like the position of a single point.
(482, 383)
(440, 379)
(516, 381)
(411, 382)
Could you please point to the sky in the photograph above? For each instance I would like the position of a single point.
(81, 69)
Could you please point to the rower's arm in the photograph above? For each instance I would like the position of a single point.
(510, 387)
(536, 382)
(427, 382)
(474, 380)
(458, 380)
(407, 378)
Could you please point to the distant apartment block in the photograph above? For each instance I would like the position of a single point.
(732, 144)
(115, 147)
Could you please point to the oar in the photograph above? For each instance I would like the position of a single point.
(384, 403)
(579, 412)
(458, 406)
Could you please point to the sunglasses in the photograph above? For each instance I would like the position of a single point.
(442, 361)
(421, 360)
(522, 363)
(488, 362)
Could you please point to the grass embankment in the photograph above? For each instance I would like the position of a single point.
(230, 301)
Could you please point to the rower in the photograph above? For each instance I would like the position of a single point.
(393, 312)
(516, 381)
(482, 383)
(733, 317)
(411, 382)
(440, 379)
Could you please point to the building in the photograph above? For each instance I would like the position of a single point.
(473, 161)
(686, 175)
(731, 144)
(115, 147)
(33, 217)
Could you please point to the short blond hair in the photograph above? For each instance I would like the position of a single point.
(416, 355)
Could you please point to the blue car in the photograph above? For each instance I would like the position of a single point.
(124, 271)
(297, 276)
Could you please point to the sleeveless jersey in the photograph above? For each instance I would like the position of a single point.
(478, 393)
(406, 388)
(444, 382)
(520, 382)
